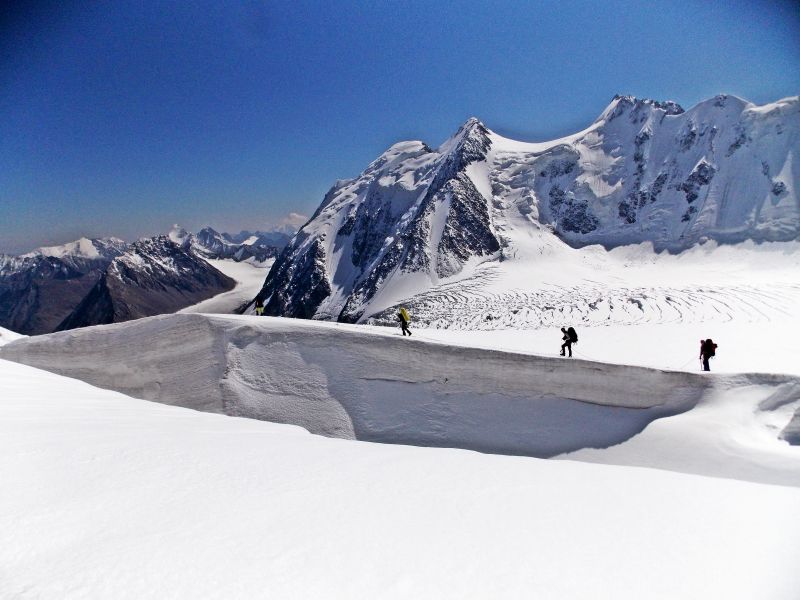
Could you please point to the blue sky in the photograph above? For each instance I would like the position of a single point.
(123, 117)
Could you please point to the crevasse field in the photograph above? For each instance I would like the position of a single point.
(459, 463)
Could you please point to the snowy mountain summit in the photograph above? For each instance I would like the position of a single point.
(643, 171)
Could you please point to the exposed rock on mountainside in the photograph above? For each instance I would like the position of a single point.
(209, 243)
(412, 211)
(88, 282)
(260, 245)
(39, 289)
(151, 277)
(69, 285)
(644, 171)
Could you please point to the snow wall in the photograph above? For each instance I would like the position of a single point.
(343, 381)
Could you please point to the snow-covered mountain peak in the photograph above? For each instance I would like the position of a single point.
(470, 143)
(179, 235)
(638, 109)
(95, 248)
(645, 171)
(400, 152)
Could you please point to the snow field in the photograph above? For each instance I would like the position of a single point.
(116, 497)
(768, 347)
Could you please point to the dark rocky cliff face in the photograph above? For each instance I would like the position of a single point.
(41, 294)
(303, 285)
(37, 293)
(153, 276)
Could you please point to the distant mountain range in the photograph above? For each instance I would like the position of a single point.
(245, 245)
(643, 171)
(107, 280)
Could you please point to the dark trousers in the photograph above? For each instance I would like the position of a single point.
(405, 328)
(706, 367)
(568, 346)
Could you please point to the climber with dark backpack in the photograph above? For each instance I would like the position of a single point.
(570, 337)
(708, 349)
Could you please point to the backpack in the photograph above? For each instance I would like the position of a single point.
(710, 348)
(573, 335)
(404, 312)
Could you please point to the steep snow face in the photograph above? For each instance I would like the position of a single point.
(106, 496)
(179, 236)
(644, 171)
(384, 388)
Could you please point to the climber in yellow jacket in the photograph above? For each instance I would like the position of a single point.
(403, 317)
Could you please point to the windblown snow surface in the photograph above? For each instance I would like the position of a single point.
(106, 496)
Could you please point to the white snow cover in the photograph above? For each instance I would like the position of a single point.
(549, 284)
(370, 384)
(105, 496)
(82, 248)
(6, 336)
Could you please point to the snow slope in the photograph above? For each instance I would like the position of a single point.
(370, 384)
(105, 496)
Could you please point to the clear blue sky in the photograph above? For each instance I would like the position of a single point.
(123, 117)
